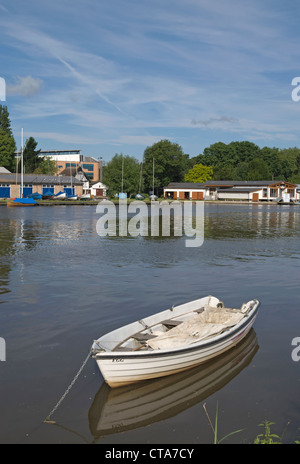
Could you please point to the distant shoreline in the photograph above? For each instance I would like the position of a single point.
(211, 202)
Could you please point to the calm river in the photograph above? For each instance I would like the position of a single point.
(62, 286)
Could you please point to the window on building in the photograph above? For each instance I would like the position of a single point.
(274, 192)
(89, 175)
(88, 167)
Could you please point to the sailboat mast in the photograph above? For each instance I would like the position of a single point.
(122, 173)
(153, 176)
(22, 166)
(141, 173)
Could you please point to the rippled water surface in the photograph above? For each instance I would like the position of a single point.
(62, 286)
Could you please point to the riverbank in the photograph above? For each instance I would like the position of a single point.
(148, 202)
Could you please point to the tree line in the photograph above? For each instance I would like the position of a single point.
(234, 161)
(166, 162)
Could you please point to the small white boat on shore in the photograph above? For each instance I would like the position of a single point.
(172, 341)
(60, 196)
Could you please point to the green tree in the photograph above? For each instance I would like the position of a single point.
(224, 172)
(7, 150)
(32, 160)
(112, 174)
(258, 170)
(46, 166)
(243, 152)
(199, 173)
(170, 164)
(5, 123)
(275, 164)
(7, 142)
(241, 172)
(289, 158)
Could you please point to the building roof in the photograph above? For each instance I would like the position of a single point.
(240, 190)
(185, 185)
(38, 179)
(242, 183)
(90, 159)
(4, 170)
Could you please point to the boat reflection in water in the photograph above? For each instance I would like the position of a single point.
(130, 407)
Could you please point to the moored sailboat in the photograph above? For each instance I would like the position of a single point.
(21, 202)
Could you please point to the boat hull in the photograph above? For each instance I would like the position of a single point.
(122, 368)
(21, 203)
(123, 409)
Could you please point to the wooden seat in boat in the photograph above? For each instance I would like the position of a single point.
(169, 323)
(142, 337)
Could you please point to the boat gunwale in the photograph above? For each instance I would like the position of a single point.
(229, 333)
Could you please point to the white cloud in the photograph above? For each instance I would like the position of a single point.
(25, 86)
(70, 139)
(144, 140)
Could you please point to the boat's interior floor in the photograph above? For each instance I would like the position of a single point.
(187, 328)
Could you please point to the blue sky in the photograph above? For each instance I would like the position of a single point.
(117, 76)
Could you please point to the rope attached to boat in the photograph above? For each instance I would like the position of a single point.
(48, 418)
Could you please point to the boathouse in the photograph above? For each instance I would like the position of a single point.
(253, 191)
(10, 185)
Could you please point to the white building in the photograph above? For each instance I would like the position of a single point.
(233, 190)
(97, 190)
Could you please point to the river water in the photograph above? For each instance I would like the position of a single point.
(62, 286)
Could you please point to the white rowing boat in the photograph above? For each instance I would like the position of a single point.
(172, 341)
(117, 410)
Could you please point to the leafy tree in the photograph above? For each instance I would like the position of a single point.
(224, 172)
(289, 158)
(199, 173)
(32, 160)
(243, 152)
(5, 120)
(7, 150)
(241, 172)
(169, 161)
(258, 170)
(275, 165)
(112, 174)
(229, 155)
(7, 141)
(46, 166)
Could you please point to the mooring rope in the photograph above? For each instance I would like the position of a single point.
(48, 418)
